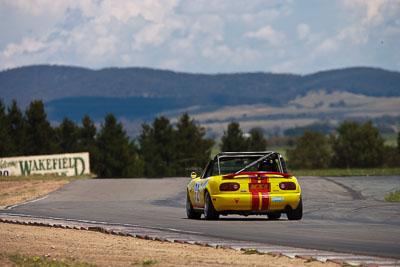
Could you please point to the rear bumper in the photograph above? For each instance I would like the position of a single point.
(256, 203)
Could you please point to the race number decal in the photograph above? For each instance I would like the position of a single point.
(199, 187)
(205, 184)
(197, 192)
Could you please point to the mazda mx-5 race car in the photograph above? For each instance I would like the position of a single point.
(244, 183)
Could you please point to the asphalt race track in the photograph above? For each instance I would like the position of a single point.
(344, 214)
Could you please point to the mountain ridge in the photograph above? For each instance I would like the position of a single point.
(256, 99)
(50, 82)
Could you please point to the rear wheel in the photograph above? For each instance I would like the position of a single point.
(209, 211)
(296, 214)
(275, 215)
(190, 212)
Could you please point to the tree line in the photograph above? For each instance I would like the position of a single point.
(163, 149)
(354, 145)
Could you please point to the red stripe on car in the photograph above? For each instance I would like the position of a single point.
(255, 201)
(265, 195)
(265, 200)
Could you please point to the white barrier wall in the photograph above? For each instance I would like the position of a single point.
(61, 164)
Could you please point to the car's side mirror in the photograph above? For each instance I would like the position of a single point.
(193, 175)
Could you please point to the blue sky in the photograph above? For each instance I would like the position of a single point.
(202, 36)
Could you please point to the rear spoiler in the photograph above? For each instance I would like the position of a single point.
(260, 174)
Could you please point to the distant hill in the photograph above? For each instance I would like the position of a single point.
(55, 82)
(141, 93)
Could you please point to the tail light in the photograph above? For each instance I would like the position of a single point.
(229, 187)
(287, 186)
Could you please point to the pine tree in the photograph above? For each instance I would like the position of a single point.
(233, 139)
(41, 136)
(256, 141)
(6, 148)
(87, 133)
(398, 141)
(149, 152)
(193, 150)
(18, 129)
(158, 148)
(87, 142)
(68, 134)
(118, 155)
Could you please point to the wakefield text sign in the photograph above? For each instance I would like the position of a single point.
(61, 164)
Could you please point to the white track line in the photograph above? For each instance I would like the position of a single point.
(28, 202)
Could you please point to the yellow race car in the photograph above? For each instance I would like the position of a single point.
(244, 183)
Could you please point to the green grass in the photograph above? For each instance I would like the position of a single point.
(252, 251)
(311, 259)
(19, 260)
(145, 262)
(43, 177)
(393, 196)
(346, 172)
(390, 139)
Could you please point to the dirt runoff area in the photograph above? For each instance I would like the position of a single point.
(14, 192)
(76, 246)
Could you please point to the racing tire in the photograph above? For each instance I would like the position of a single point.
(274, 215)
(296, 214)
(209, 211)
(190, 212)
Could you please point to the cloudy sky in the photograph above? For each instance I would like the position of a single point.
(206, 36)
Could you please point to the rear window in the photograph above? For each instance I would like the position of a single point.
(229, 165)
(232, 165)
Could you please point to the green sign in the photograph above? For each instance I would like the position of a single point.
(74, 164)
(59, 164)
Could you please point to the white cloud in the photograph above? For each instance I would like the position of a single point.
(208, 27)
(104, 46)
(28, 51)
(27, 45)
(247, 57)
(357, 35)
(99, 33)
(303, 31)
(153, 34)
(219, 52)
(350, 36)
(238, 7)
(328, 46)
(263, 15)
(121, 10)
(151, 10)
(286, 66)
(269, 34)
(198, 35)
(366, 21)
(40, 7)
(240, 58)
(171, 64)
(392, 30)
(374, 12)
(371, 18)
